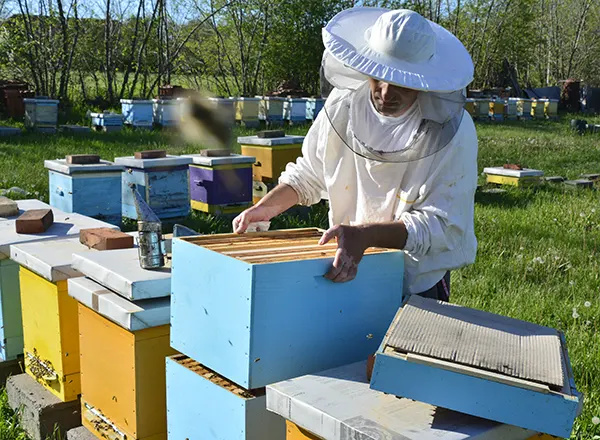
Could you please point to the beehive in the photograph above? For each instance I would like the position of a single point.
(11, 324)
(480, 364)
(470, 107)
(221, 185)
(107, 121)
(162, 182)
(264, 312)
(226, 106)
(482, 108)
(50, 318)
(551, 108)
(204, 405)
(313, 107)
(270, 109)
(272, 155)
(337, 404)
(524, 108)
(294, 110)
(166, 112)
(137, 112)
(503, 176)
(511, 108)
(41, 113)
(496, 109)
(538, 108)
(246, 111)
(123, 347)
(91, 189)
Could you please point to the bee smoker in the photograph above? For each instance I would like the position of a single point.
(151, 246)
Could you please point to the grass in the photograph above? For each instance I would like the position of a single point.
(538, 257)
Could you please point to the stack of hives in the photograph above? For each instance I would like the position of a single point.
(250, 310)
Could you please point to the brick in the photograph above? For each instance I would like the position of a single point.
(34, 221)
(82, 159)
(103, 239)
(8, 207)
(268, 134)
(512, 166)
(150, 154)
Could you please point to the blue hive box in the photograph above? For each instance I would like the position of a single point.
(203, 405)
(91, 189)
(256, 308)
(294, 110)
(480, 364)
(166, 112)
(163, 182)
(107, 121)
(313, 107)
(137, 112)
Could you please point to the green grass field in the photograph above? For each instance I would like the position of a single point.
(538, 256)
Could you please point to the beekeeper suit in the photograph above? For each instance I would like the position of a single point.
(405, 180)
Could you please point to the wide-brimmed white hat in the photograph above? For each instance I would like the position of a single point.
(399, 47)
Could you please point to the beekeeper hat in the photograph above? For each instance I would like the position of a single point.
(399, 47)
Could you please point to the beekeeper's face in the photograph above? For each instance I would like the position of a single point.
(390, 100)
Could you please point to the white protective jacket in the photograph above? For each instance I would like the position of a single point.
(433, 196)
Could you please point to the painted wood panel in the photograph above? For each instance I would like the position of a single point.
(221, 186)
(547, 412)
(258, 323)
(138, 113)
(123, 378)
(271, 161)
(202, 405)
(51, 335)
(11, 324)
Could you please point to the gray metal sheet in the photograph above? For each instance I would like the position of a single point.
(479, 339)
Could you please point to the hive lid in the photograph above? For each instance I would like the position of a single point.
(169, 161)
(255, 140)
(272, 246)
(40, 101)
(51, 259)
(338, 404)
(119, 270)
(525, 172)
(61, 166)
(132, 316)
(65, 224)
(136, 101)
(106, 115)
(207, 161)
(478, 339)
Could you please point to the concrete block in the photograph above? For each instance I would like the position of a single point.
(554, 179)
(40, 411)
(579, 183)
(81, 433)
(34, 221)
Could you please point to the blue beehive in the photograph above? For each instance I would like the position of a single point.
(313, 107)
(107, 121)
(89, 189)
(294, 110)
(203, 405)
(480, 364)
(41, 113)
(256, 308)
(166, 112)
(163, 182)
(137, 112)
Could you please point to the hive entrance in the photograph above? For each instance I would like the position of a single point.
(272, 246)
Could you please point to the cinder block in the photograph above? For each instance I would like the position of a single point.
(34, 221)
(81, 433)
(103, 239)
(150, 154)
(10, 368)
(8, 207)
(41, 412)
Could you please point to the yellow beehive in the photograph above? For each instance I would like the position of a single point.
(123, 341)
(538, 108)
(551, 108)
(246, 110)
(272, 155)
(49, 314)
(470, 107)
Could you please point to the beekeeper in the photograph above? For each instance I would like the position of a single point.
(393, 149)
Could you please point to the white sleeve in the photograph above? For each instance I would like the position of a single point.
(443, 213)
(305, 176)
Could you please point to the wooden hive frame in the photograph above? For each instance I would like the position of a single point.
(273, 246)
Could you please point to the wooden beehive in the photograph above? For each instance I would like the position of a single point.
(137, 112)
(41, 112)
(313, 107)
(272, 155)
(257, 309)
(204, 405)
(294, 110)
(511, 108)
(538, 108)
(271, 109)
(166, 112)
(107, 121)
(162, 182)
(65, 224)
(503, 176)
(89, 189)
(496, 109)
(123, 345)
(246, 111)
(221, 185)
(481, 364)
(50, 319)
